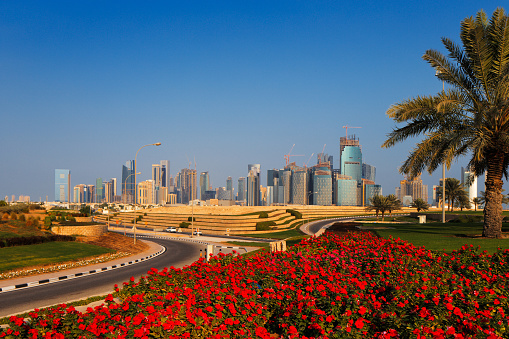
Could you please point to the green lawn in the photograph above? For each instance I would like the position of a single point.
(48, 253)
(443, 237)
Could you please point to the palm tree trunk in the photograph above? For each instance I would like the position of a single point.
(493, 197)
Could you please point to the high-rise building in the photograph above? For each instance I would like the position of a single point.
(253, 185)
(128, 188)
(370, 190)
(469, 181)
(299, 186)
(321, 185)
(412, 189)
(99, 190)
(62, 185)
(368, 172)
(229, 188)
(114, 183)
(187, 185)
(160, 176)
(343, 142)
(165, 173)
(146, 192)
(204, 185)
(346, 191)
(351, 162)
(241, 193)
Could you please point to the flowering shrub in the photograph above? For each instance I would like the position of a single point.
(355, 286)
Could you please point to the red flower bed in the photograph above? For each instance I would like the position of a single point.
(355, 286)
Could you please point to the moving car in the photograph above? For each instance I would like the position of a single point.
(171, 229)
(197, 233)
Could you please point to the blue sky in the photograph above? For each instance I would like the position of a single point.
(222, 83)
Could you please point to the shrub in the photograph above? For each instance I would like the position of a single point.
(263, 215)
(5, 216)
(30, 222)
(264, 225)
(21, 217)
(47, 221)
(14, 216)
(184, 224)
(191, 219)
(295, 213)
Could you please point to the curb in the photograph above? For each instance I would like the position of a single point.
(77, 275)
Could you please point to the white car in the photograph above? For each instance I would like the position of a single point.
(171, 229)
(197, 233)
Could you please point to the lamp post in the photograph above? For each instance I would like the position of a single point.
(135, 188)
(125, 186)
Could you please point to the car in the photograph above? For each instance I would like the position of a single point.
(197, 233)
(171, 229)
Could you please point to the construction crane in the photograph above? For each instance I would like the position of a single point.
(347, 127)
(287, 156)
(306, 164)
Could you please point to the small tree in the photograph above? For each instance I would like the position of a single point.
(477, 202)
(463, 202)
(420, 205)
(379, 204)
(393, 203)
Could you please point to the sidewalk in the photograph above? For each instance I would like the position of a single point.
(37, 279)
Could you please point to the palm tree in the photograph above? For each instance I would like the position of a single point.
(471, 117)
(463, 201)
(420, 205)
(379, 204)
(394, 203)
(453, 191)
(477, 202)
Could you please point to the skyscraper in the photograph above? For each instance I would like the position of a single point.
(321, 185)
(204, 185)
(299, 187)
(229, 188)
(253, 185)
(99, 190)
(128, 188)
(412, 189)
(241, 195)
(187, 185)
(469, 181)
(62, 185)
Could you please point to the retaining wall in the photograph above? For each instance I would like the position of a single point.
(89, 230)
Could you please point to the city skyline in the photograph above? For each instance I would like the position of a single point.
(223, 85)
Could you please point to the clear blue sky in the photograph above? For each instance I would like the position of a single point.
(227, 83)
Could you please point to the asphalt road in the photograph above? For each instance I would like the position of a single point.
(177, 254)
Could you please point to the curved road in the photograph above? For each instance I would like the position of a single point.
(178, 254)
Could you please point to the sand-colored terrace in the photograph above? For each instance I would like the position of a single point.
(235, 219)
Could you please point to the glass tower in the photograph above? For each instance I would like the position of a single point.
(62, 185)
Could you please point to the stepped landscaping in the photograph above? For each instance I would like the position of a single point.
(352, 285)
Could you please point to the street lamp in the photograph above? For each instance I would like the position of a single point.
(135, 188)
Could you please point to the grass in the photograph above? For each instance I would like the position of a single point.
(443, 237)
(292, 232)
(12, 258)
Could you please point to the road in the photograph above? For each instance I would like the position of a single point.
(177, 254)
